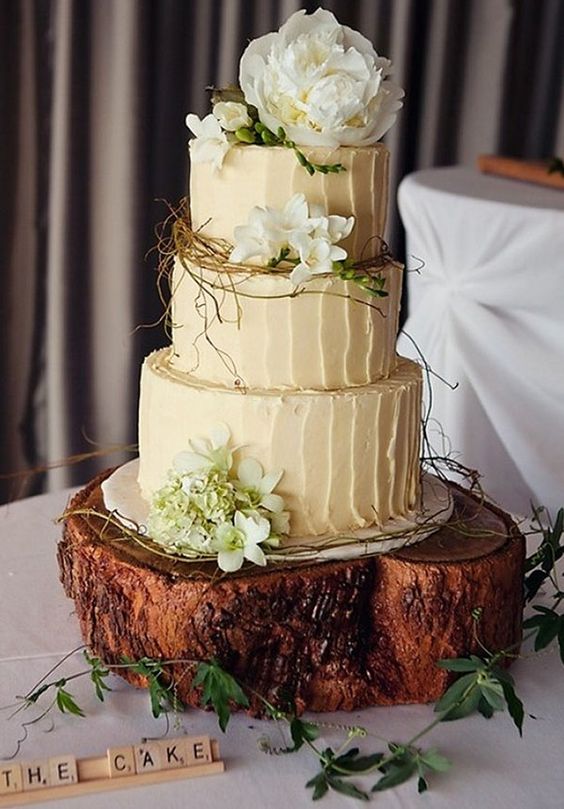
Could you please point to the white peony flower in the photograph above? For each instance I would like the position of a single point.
(241, 540)
(207, 453)
(231, 115)
(211, 143)
(316, 258)
(321, 81)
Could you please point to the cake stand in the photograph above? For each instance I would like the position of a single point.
(328, 635)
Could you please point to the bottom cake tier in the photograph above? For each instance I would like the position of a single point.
(329, 636)
(350, 457)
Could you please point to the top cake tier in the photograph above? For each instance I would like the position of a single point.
(258, 176)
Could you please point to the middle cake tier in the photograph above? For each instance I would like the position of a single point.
(350, 457)
(244, 329)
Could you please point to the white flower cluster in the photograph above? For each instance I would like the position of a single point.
(207, 507)
(299, 233)
(321, 81)
(214, 133)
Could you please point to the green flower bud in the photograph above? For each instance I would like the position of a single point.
(245, 135)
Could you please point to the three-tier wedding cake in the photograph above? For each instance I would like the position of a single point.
(285, 306)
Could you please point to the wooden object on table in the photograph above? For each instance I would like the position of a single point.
(332, 635)
(530, 171)
(96, 774)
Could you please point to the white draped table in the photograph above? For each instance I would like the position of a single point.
(493, 768)
(487, 312)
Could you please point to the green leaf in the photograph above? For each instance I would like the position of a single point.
(320, 787)
(161, 693)
(98, 675)
(345, 788)
(435, 760)
(547, 631)
(302, 732)
(421, 785)
(462, 664)
(396, 774)
(358, 765)
(66, 703)
(492, 691)
(533, 583)
(220, 689)
(461, 699)
(514, 705)
(561, 640)
(485, 708)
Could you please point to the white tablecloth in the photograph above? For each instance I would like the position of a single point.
(487, 312)
(493, 768)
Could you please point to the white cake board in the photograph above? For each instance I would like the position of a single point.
(122, 497)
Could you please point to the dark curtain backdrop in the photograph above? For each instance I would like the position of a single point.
(93, 95)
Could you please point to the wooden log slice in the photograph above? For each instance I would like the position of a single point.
(336, 635)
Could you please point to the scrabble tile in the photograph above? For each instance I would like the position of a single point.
(10, 778)
(35, 774)
(147, 757)
(62, 770)
(198, 749)
(173, 753)
(121, 761)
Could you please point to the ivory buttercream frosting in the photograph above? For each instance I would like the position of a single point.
(331, 337)
(350, 457)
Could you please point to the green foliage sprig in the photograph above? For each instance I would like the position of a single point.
(483, 686)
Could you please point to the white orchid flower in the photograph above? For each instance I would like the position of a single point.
(239, 541)
(231, 115)
(258, 486)
(212, 453)
(211, 144)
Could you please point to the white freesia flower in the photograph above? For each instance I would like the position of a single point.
(304, 232)
(270, 230)
(207, 453)
(321, 81)
(231, 115)
(239, 541)
(316, 258)
(211, 144)
(334, 228)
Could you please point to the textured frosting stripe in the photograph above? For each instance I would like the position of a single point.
(330, 337)
(255, 175)
(351, 457)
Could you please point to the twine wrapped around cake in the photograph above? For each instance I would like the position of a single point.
(177, 239)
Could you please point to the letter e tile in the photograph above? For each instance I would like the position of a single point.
(62, 770)
(198, 749)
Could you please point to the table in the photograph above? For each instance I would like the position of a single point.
(487, 312)
(492, 766)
